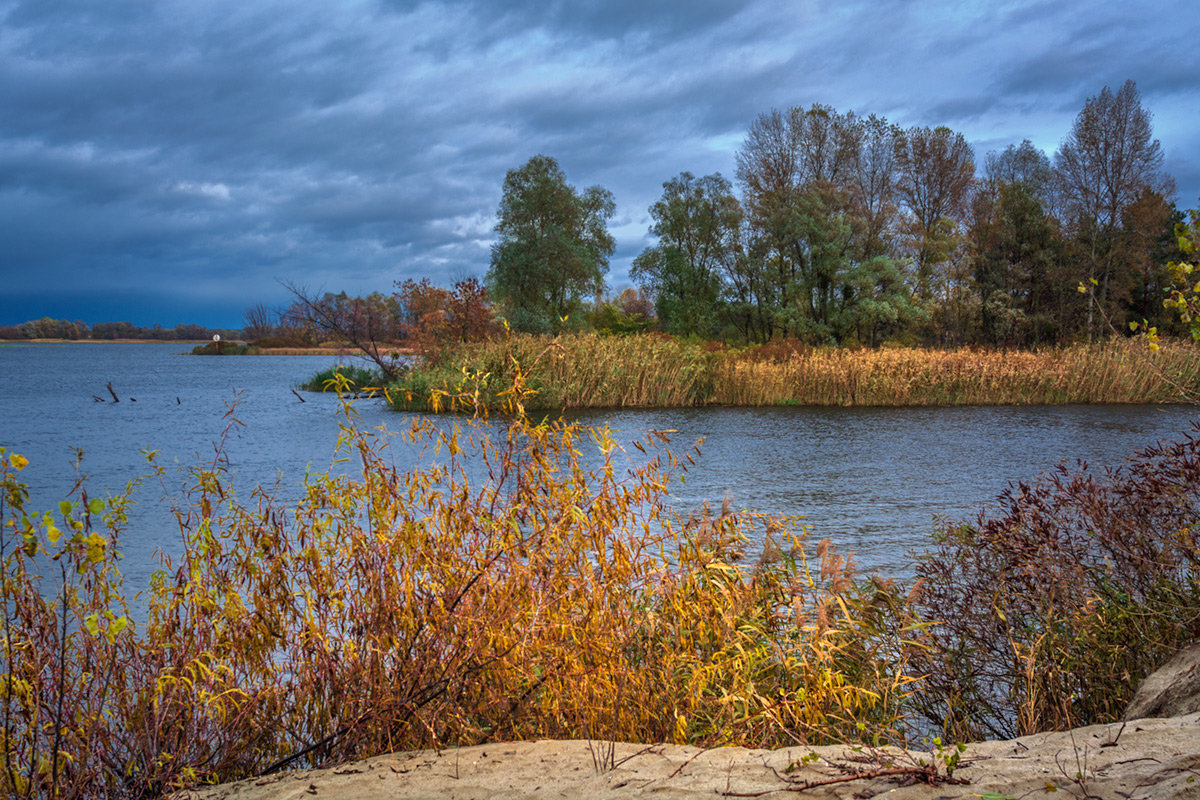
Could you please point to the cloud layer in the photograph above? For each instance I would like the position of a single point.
(171, 161)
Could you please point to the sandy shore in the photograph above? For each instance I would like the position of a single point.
(1150, 758)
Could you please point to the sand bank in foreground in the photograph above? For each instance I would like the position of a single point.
(1157, 758)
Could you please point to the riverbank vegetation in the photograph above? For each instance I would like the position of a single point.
(590, 371)
(1054, 604)
(395, 610)
(342, 378)
(423, 609)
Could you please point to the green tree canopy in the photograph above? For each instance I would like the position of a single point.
(553, 249)
(697, 223)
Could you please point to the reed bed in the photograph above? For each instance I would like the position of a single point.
(589, 371)
(572, 371)
(1115, 371)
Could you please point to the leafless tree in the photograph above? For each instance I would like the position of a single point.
(1107, 160)
(369, 324)
(936, 171)
(768, 161)
(259, 322)
(1109, 156)
(1025, 164)
(874, 168)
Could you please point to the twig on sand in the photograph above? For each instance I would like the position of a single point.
(920, 774)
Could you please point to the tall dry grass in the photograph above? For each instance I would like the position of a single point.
(571, 371)
(1116, 371)
(586, 370)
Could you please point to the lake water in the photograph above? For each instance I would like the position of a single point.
(872, 480)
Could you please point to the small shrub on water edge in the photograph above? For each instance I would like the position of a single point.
(224, 349)
(343, 378)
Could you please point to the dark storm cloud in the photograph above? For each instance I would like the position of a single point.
(591, 19)
(187, 155)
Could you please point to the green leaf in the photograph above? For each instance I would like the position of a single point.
(64, 506)
(92, 623)
(96, 506)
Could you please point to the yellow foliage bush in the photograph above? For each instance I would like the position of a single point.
(502, 590)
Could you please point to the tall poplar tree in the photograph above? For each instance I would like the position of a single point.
(554, 246)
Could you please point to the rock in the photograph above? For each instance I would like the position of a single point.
(1172, 690)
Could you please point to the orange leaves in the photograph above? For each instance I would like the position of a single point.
(501, 590)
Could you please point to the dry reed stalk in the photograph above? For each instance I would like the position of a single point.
(650, 370)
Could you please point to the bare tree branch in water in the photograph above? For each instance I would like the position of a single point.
(369, 324)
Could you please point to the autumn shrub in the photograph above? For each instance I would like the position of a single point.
(777, 351)
(500, 590)
(1050, 609)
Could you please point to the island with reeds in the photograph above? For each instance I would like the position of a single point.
(648, 370)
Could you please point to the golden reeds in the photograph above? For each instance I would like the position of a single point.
(590, 371)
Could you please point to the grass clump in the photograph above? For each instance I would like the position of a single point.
(343, 378)
(590, 371)
(569, 371)
(501, 591)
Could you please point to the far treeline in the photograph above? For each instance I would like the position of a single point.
(841, 230)
(73, 330)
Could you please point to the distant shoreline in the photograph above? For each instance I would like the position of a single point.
(330, 350)
(105, 341)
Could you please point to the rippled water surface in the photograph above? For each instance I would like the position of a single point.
(873, 480)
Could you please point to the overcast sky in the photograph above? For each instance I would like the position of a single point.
(172, 160)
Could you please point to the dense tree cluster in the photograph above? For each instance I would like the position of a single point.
(839, 229)
(851, 229)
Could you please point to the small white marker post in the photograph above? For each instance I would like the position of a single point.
(217, 339)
